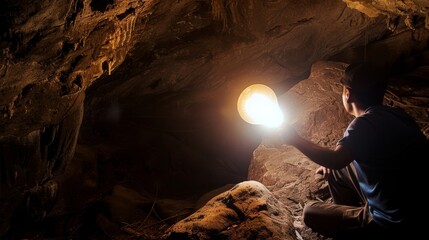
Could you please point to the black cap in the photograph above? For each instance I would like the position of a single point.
(364, 77)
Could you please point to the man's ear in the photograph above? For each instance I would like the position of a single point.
(348, 95)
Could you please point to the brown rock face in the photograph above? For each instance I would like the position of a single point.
(247, 211)
(53, 51)
(393, 10)
(314, 108)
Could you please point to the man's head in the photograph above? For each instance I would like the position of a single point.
(366, 84)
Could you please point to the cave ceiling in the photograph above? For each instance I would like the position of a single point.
(52, 51)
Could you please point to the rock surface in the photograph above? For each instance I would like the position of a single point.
(314, 108)
(246, 211)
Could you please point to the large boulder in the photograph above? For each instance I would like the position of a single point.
(314, 108)
(247, 211)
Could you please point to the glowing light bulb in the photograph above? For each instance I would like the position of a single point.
(258, 104)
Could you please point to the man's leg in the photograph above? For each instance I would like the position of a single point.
(332, 219)
(347, 213)
(344, 187)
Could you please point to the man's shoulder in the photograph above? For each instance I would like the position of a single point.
(385, 111)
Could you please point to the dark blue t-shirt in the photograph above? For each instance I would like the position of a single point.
(388, 146)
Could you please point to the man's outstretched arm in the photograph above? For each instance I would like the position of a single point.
(333, 159)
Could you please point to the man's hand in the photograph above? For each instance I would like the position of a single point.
(323, 171)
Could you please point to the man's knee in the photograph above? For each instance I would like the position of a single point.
(310, 214)
(324, 218)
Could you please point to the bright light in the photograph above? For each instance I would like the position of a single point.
(258, 104)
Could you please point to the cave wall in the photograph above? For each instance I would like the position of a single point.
(394, 10)
(160, 81)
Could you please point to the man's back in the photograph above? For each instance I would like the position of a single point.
(387, 144)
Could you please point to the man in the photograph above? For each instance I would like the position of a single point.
(373, 171)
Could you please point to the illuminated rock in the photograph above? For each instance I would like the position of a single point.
(246, 211)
